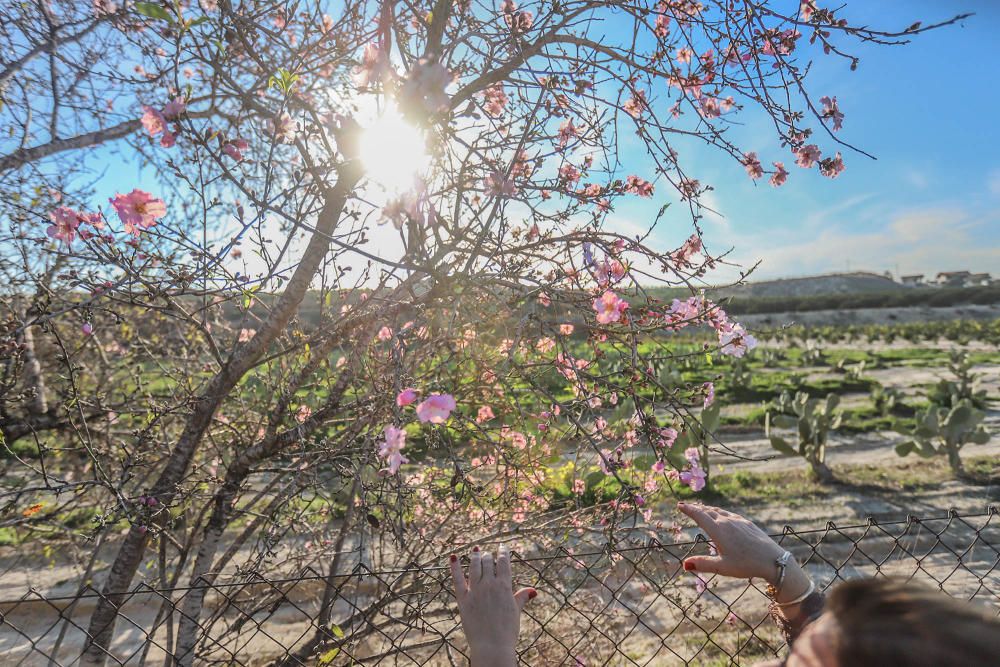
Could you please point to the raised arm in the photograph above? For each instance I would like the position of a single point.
(747, 552)
(490, 610)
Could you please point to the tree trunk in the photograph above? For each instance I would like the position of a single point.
(955, 461)
(821, 471)
(131, 552)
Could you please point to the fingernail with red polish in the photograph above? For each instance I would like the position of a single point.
(689, 566)
(475, 548)
(532, 594)
(453, 558)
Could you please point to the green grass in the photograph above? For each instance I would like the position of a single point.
(797, 486)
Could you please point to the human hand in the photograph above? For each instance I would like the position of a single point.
(490, 611)
(744, 551)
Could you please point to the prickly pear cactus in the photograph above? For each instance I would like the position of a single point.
(813, 420)
(942, 431)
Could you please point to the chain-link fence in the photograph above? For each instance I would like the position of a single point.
(628, 605)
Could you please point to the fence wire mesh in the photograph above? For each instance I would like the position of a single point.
(631, 604)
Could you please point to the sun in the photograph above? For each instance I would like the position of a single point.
(393, 151)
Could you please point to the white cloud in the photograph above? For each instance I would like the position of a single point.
(916, 241)
(993, 182)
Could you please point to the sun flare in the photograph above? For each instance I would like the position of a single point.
(393, 151)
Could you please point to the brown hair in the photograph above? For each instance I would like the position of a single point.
(887, 622)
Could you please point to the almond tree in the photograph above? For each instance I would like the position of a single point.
(376, 268)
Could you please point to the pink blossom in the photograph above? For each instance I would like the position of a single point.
(517, 440)
(579, 487)
(283, 128)
(806, 9)
(174, 108)
(104, 7)
(567, 131)
(780, 42)
(494, 100)
(832, 167)
(658, 467)
(605, 462)
(609, 307)
(694, 478)
(436, 408)
(518, 21)
(662, 26)
(406, 397)
(569, 174)
(87, 328)
(498, 185)
(692, 456)
(65, 222)
(426, 83)
(522, 166)
(779, 176)
(304, 413)
(668, 436)
(138, 210)
(484, 414)
(545, 299)
(689, 187)
(682, 256)
(609, 271)
(636, 105)
(735, 341)
(384, 334)
(235, 148)
(391, 449)
(709, 388)
(684, 55)
(806, 156)
(374, 66)
(153, 121)
(565, 329)
(710, 107)
(638, 186)
(832, 111)
(246, 334)
(752, 165)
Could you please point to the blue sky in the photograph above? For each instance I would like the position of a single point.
(930, 202)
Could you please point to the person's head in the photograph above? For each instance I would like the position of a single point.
(887, 622)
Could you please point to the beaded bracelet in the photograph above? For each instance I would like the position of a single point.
(781, 562)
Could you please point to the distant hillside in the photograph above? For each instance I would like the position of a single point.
(839, 291)
(835, 283)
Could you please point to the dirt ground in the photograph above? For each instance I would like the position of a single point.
(51, 572)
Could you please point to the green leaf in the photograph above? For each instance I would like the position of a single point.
(153, 11)
(337, 632)
(593, 479)
(710, 417)
(785, 421)
(644, 462)
(782, 446)
(329, 656)
(905, 448)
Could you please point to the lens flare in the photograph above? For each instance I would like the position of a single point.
(393, 152)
